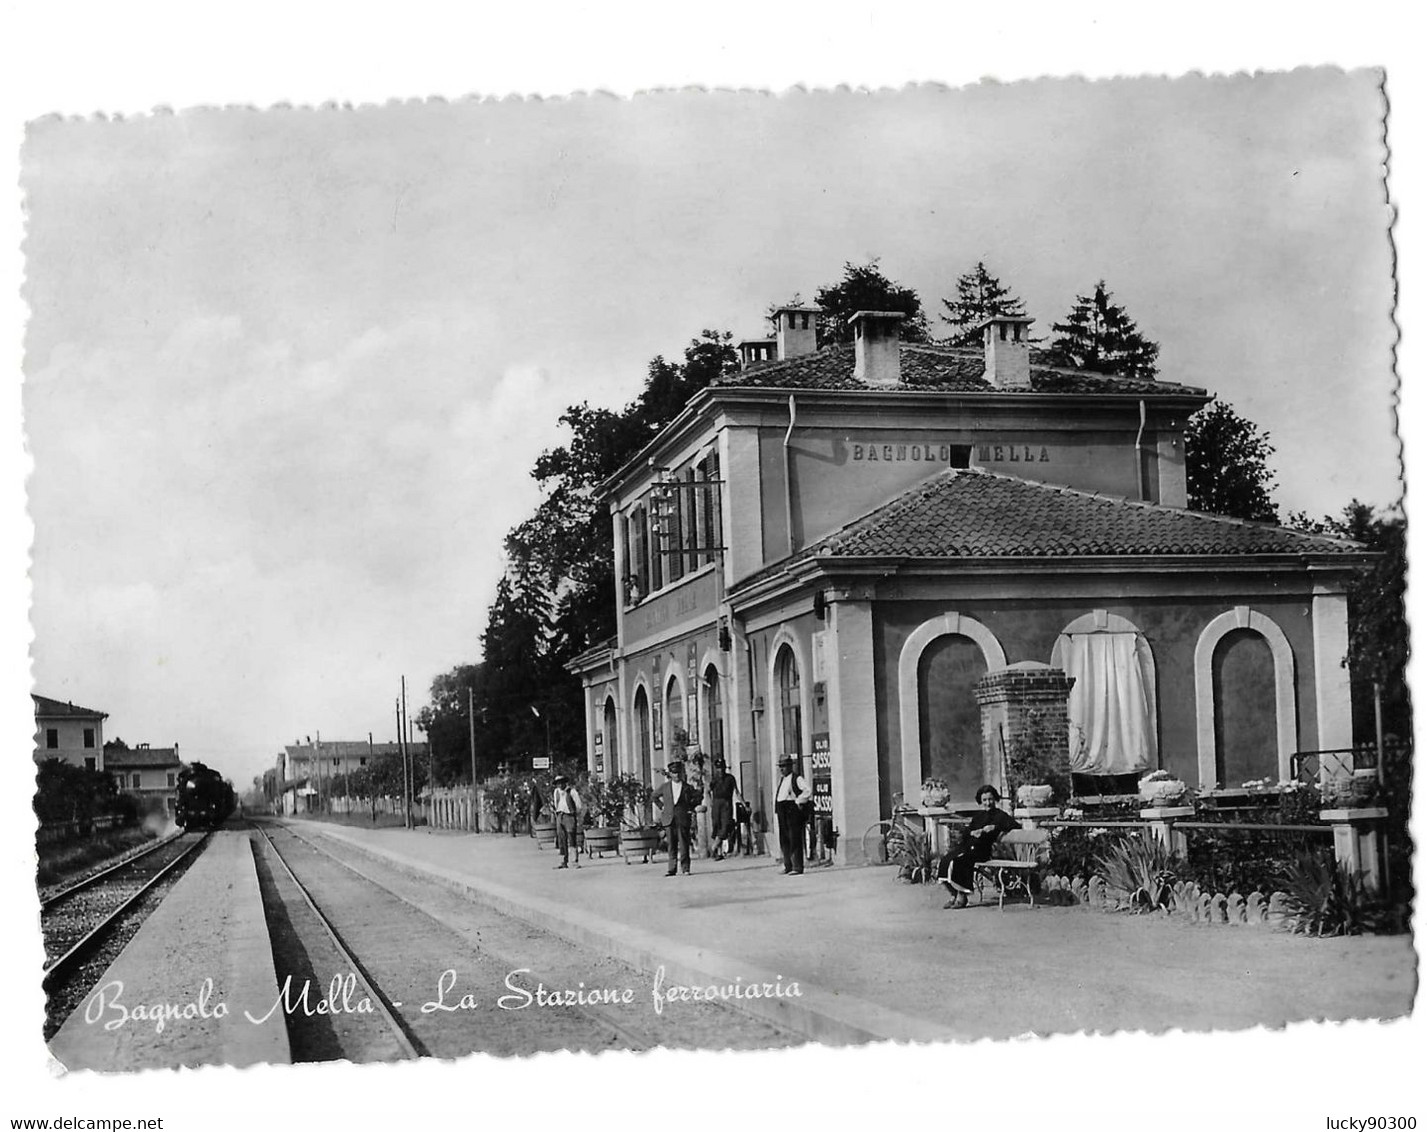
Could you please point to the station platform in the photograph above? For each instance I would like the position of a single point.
(877, 959)
(205, 944)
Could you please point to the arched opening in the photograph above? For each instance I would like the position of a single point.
(949, 718)
(610, 731)
(643, 736)
(790, 705)
(1245, 734)
(713, 712)
(676, 736)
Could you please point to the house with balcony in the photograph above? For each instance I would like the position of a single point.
(854, 555)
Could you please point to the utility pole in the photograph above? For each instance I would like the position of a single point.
(471, 720)
(401, 746)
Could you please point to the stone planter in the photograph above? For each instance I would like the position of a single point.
(1034, 797)
(601, 839)
(639, 842)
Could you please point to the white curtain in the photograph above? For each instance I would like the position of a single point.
(1111, 707)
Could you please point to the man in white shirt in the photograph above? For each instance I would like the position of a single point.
(567, 805)
(792, 794)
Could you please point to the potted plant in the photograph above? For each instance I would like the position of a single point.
(623, 799)
(602, 817)
(1036, 795)
(1158, 789)
(935, 793)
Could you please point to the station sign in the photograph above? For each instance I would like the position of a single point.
(540, 762)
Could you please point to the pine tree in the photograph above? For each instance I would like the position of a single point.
(979, 295)
(1098, 335)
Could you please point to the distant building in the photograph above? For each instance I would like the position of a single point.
(64, 730)
(305, 771)
(147, 773)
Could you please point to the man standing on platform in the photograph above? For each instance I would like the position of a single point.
(676, 801)
(793, 793)
(566, 803)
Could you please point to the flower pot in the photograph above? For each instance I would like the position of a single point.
(544, 834)
(1034, 797)
(639, 842)
(601, 839)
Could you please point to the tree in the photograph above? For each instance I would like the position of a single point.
(863, 287)
(979, 296)
(1098, 335)
(115, 744)
(1378, 643)
(1226, 465)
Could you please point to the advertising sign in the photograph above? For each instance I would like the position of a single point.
(822, 774)
(540, 762)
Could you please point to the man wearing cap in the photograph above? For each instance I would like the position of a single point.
(723, 793)
(676, 801)
(793, 793)
(567, 805)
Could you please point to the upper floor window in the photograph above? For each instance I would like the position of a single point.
(89, 737)
(171, 780)
(52, 738)
(135, 781)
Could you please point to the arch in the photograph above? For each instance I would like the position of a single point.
(642, 754)
(673, 714)
(713, 718)
(609, 728)
(908, 690)
(1103, 621)
(785, 638)
(1285, 693)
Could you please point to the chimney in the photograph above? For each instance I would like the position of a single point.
(752, 351)
(1007, 339)
(878, 347)
(797, 331)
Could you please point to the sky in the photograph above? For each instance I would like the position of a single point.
(286, 372)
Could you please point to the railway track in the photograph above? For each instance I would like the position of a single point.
(59, 893)
(86, 925)
(408, 942)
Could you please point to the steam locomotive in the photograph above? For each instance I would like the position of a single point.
(205, 798)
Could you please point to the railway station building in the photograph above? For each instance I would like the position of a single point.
(883, 558)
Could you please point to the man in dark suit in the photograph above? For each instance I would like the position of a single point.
(676, 801)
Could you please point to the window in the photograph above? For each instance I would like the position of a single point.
(362, 761)
(171, 780)
(89, 763)
(135, 782)
(52, 738)
(790, 704)
(89, 738)
(714, 712)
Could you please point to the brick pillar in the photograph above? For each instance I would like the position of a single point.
(1024, 703)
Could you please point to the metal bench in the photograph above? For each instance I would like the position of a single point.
(1010, 870)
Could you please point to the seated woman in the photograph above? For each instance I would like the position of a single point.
(957, 869)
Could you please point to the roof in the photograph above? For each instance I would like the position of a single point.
(347, 748)
(63, 709)
(947, 369)
(135, 757)
(972, 513)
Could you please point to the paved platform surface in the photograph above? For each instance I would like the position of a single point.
(879, 959)
(210, 926)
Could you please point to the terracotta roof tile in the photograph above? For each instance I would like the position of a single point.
(948, 369)
(979, 514)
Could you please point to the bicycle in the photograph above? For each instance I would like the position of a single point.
(898, 841)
